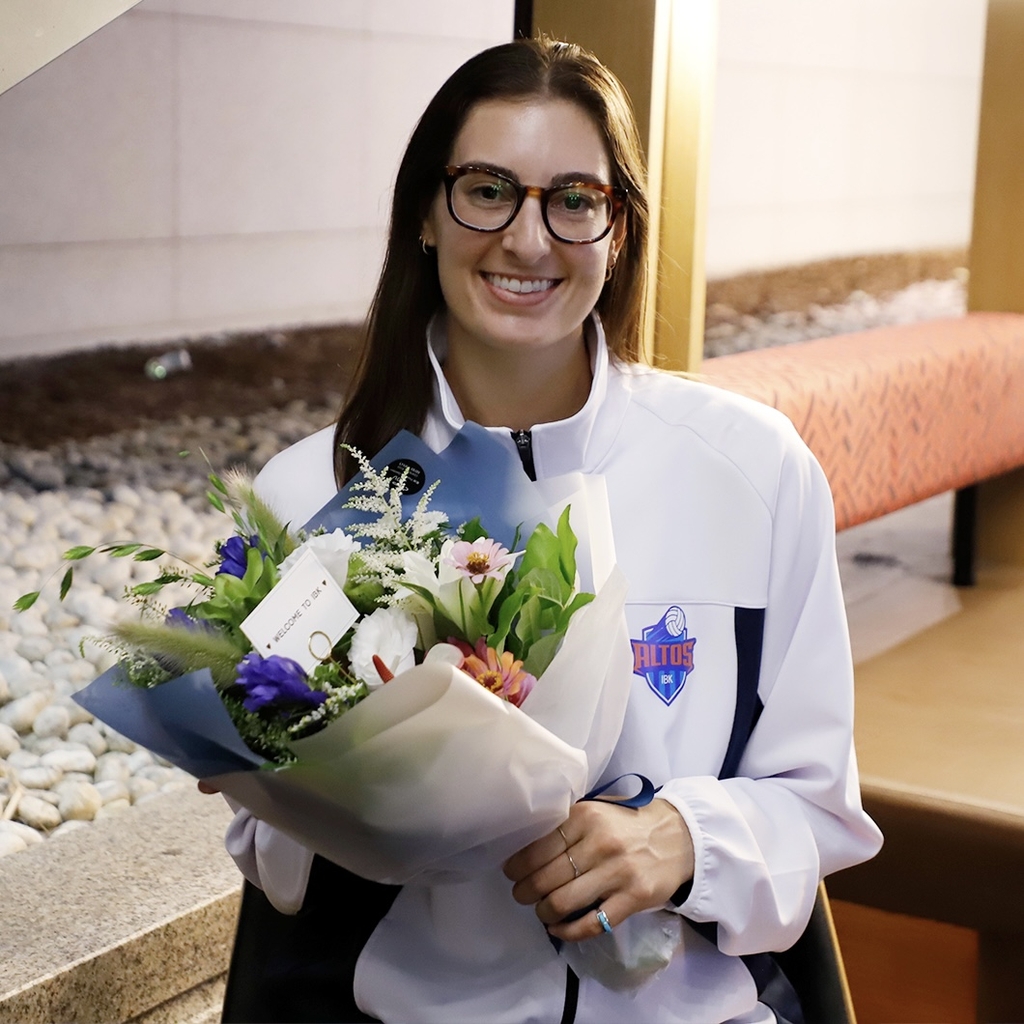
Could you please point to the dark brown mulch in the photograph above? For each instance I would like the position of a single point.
(85, 394)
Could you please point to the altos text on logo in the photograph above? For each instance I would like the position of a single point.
(664, 657)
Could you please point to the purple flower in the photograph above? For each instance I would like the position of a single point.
(182, 620)
(274, 680)
(233, 553)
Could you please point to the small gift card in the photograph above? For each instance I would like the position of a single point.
(303, 617)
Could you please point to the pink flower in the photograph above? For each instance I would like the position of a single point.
(484, 558)
(499, 673)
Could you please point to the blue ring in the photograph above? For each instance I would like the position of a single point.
(602, 918)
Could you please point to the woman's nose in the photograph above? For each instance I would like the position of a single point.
(527, 236)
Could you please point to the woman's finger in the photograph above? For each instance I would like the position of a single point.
(205, 787)
(531, 858)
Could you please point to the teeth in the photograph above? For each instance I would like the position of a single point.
(515, 284)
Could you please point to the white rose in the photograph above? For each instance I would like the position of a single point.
(333, 549)
(390, 633)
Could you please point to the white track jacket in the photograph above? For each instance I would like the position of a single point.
(724, 528)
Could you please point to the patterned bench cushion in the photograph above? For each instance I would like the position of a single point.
(897, 414)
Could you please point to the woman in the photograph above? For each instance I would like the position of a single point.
(512, 295)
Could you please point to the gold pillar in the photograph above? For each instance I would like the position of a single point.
(997, 244)
(664, 53)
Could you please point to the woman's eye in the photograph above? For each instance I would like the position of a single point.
(575, 201)
(489, 191)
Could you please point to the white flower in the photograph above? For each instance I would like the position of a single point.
(390, 633)
(333, 549)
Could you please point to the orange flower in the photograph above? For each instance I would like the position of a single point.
(499, 673)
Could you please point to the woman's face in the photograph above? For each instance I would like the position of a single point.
(537, 142)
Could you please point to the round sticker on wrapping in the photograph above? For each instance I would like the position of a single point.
(415, 478)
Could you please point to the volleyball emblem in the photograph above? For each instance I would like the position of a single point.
(664, 657)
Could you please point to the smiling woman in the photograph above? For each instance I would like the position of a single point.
(516, 296)
(511, 296)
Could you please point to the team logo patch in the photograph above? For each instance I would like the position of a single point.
(664, 657)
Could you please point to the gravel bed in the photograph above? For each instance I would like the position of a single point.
(59, 769)
(729, 332)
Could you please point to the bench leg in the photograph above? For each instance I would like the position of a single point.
(965, 514)
(1000, 977)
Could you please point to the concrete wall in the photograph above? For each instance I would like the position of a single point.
(204, 165)
(842, 127)
(200, 165)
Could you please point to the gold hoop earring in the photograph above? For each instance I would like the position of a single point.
(611, 267)
(428, 250)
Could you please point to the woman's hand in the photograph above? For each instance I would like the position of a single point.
(627, 860)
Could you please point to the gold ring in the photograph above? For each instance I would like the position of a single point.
(558, 829)
(575, 870)
(309, 645)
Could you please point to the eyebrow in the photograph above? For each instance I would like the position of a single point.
(565, 178)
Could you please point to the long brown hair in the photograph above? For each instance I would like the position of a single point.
(393, 386)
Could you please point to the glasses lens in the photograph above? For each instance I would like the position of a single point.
(578, 213)
(482, 200)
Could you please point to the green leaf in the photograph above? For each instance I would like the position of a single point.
(541, 653)
(218, 483)
(202, 579)
(215, 501)
(149, 555)
(472, 530)
(566, 547)
(26, 601)
(121, 550)
(65, 583)
(80, 551)
(145, 589)
(542, 551)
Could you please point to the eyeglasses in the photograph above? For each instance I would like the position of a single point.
(577, 212)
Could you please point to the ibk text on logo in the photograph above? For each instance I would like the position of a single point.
(664, 657)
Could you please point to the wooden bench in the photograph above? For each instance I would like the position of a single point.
(896, 415)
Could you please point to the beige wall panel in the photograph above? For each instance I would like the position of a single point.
(997, 244)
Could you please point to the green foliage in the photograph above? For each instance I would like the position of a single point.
(540, 598)
(233, 597)
(187, 650)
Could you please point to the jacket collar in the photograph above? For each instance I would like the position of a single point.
(562, 446)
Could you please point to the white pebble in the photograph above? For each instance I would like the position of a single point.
(30, 835)
(77, 714)
(5, 689)
(21, 712)
(79, 801)
(113, 790)
(72, 757)
(30, 683)
(9, 741)
(139, 760)
(46, 795)
(112, 767)
(22, 759)
(42, 776)
(34, 648)
(10, 843)
(140, 788)
(13, 666)
(112, 809)
(88, 735)
(155, 773)
(117, 742)
(37, 813)
(42, 744)
(52, 721)
(68, 826)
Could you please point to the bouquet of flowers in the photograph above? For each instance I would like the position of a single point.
(400, 694)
